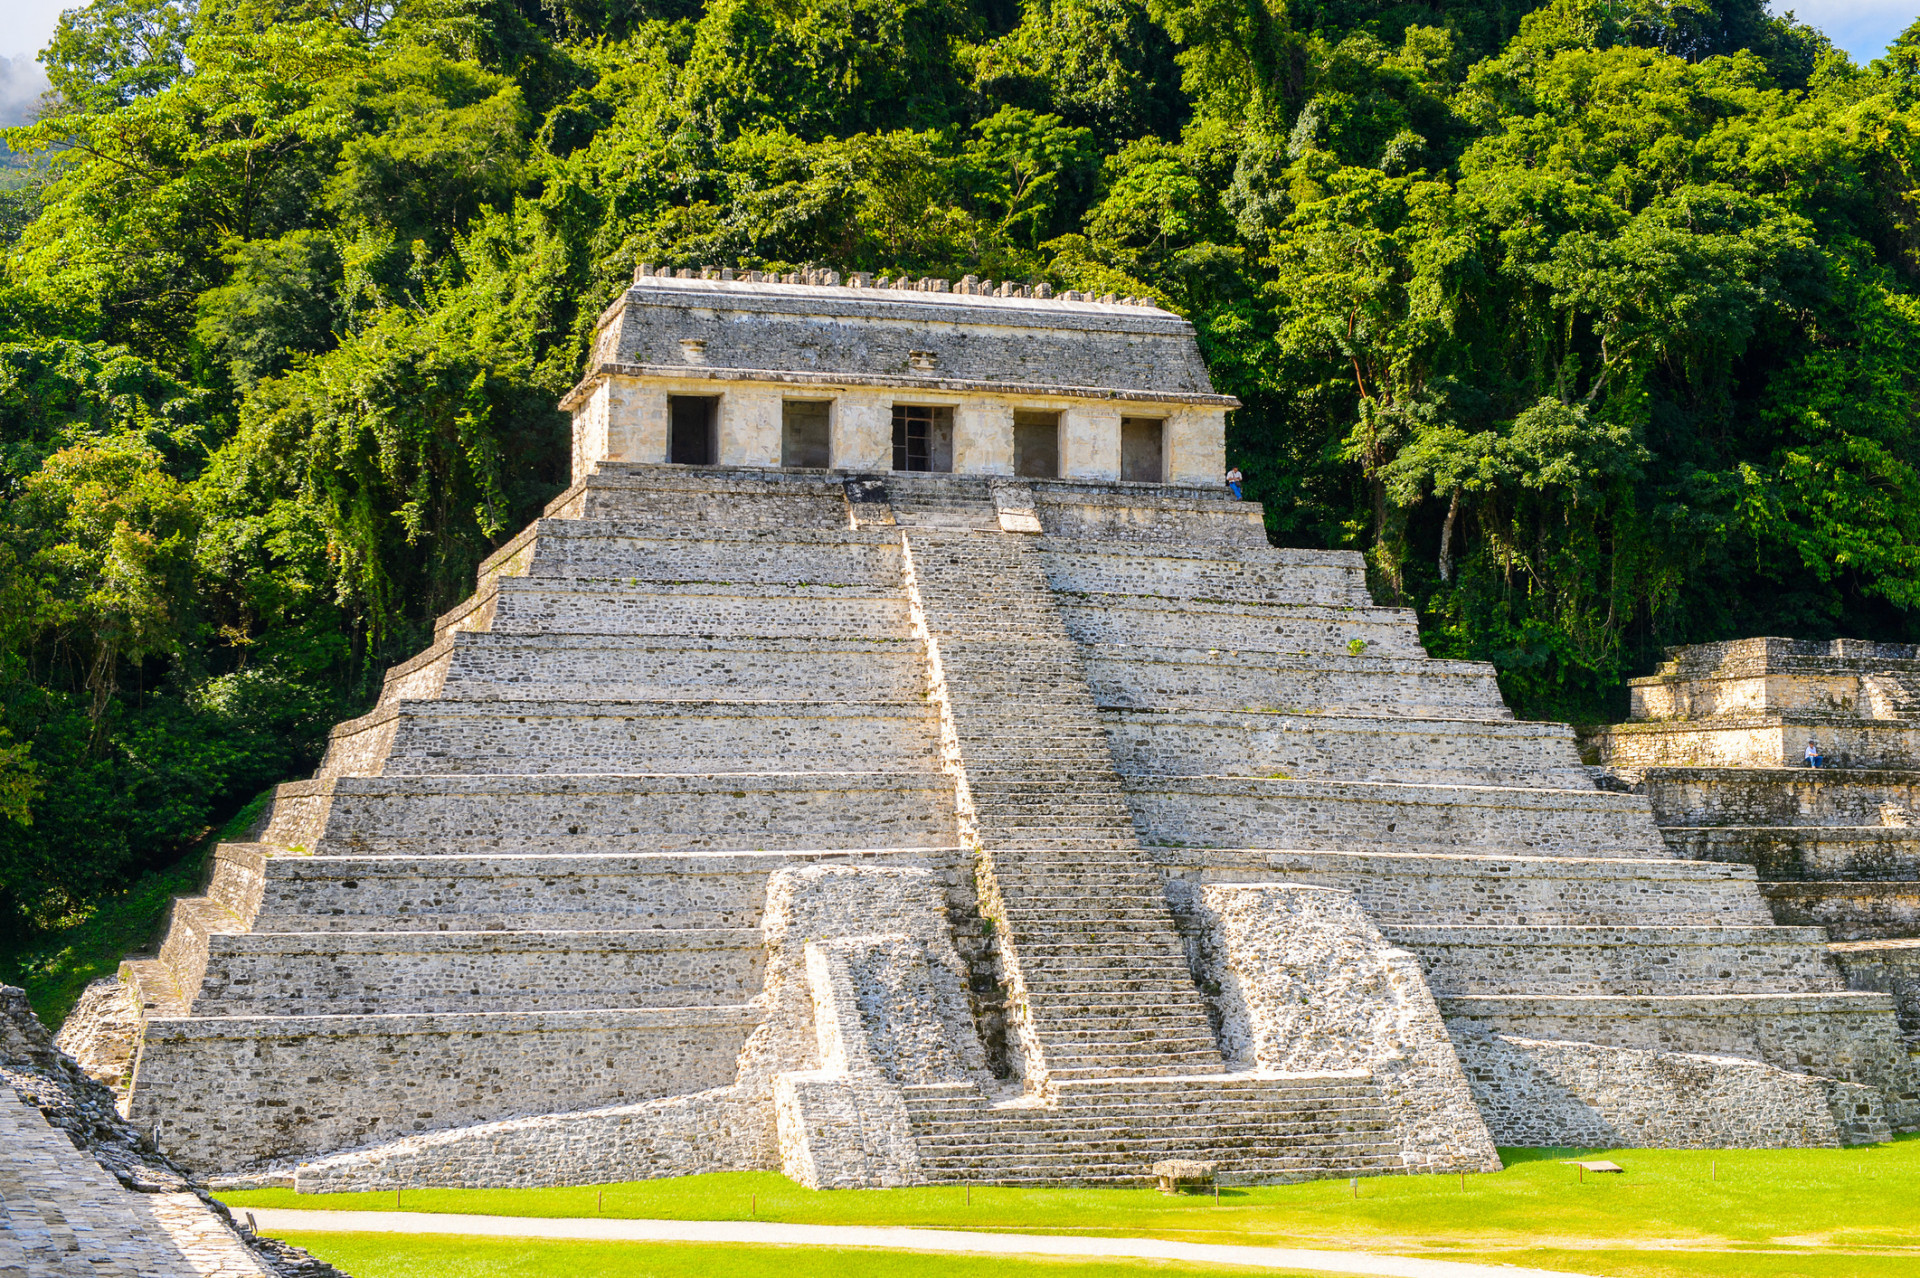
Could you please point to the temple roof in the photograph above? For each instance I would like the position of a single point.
(901, 333)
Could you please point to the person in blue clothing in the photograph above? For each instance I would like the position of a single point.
(1233, 483)
(1814, 757)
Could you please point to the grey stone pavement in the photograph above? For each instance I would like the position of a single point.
(287, 1220)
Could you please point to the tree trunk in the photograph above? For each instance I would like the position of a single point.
(1446, 538)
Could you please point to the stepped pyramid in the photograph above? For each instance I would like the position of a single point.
(1717, 742)
(949, 783)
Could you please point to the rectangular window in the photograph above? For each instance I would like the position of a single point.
(923, 437)
(1143, 451)
(692, 426)
(805, 433)
(1036, 445)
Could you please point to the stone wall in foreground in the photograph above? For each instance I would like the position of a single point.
(1307, 982)
(1536, 1092)
(84, 1195)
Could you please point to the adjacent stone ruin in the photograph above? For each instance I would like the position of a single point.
(1718, 745)
(933, 824)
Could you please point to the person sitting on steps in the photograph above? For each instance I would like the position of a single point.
(1233, 483)
(1814, 757)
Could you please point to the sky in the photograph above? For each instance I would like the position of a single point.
(1862, 27)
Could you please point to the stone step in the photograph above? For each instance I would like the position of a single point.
(412, 816)
(1344, 747)
(153, 988)
(1082, 990)
(1889, 966)
(1336, 578)
(1774, 739)
(194, 924)
(582, 606)
(1150, 1100)
(66, 1216)
(476, 665)
(1848, 910)
(1039, 949)
(1299, 1155)
(414, 1073)
(1133, 917)
(1072, 1046)
(1069, 1064)
(1041, 790)
(627, 548)
(707, 497)
(1784, 852)
(1620, 960)
(1357, 1108)
(1038, 1146)
(522, 737)
(1182, 675)
(1151, 517)
(1420, 888)
(1063, 840)
(1304, 1148)
(1387, 632)
(1850, 1036)
(1130, 912)
(1377, 816)
(1141, 1006)
(495, 893)
(347, 973)
(1782, 796)
(1140, 893)
(1012, 815)
(1293, 1087)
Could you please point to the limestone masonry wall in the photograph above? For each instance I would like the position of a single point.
(1539, 1093)
(1308, 983)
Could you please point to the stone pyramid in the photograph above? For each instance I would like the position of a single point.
(895, 826)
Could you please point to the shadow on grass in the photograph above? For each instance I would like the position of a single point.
(1513, 1156)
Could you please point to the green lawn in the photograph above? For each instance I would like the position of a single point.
(457, 1256)
(1818, 1213)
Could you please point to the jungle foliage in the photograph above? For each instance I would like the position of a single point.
(1593, 323)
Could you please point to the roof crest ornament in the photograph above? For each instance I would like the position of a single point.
(821, 277)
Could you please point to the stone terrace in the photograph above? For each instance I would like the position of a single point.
(1717, 743)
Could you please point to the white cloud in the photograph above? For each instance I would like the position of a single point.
(27, 25)
(22, 81)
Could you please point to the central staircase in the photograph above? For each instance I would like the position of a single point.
(1116, 1046)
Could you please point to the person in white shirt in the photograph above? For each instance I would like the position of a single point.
(1233, 483)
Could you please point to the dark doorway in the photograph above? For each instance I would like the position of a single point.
(1036, 445)
(691, 430)
(923, 437)
(805, 435)
(1143, 450)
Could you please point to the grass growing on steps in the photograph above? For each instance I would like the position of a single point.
(1851, 1202)
(457, 1256)
(89, 946)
